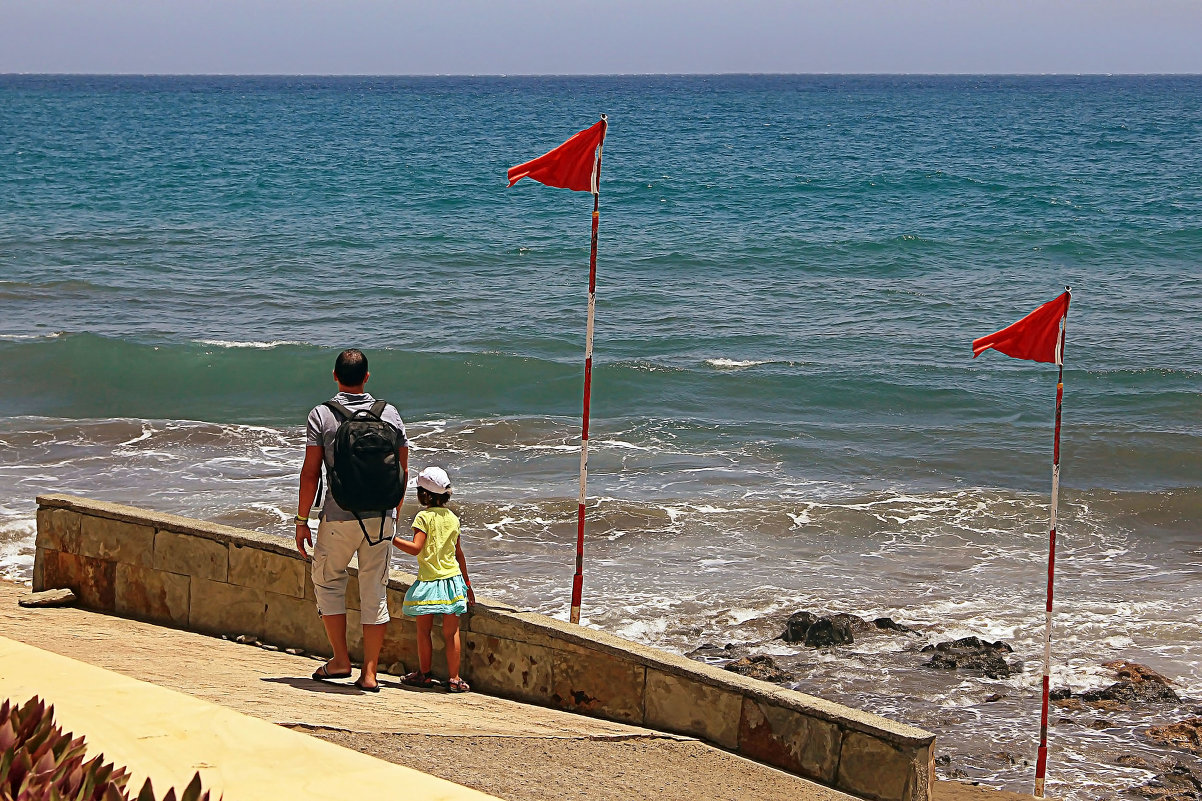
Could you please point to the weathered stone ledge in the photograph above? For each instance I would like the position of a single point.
(218, 579)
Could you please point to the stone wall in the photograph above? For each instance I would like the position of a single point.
(221, 580)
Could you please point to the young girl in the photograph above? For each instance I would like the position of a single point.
(442, 586)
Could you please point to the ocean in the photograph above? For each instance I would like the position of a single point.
(786, 414)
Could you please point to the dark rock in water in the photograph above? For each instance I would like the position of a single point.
(1134, 761)
(709, 652)
(1060, 694)
(1130, 693)
(1179, 783)
(943, 760)
(797, 625)
(823, 632)
(760, 667)
(972, 653)
(1137, 684)
(829, 631)
(1185, 735)
(994, 698)
(889, 624)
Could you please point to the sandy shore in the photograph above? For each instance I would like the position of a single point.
(514, 751)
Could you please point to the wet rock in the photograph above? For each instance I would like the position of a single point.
(993, 699)
(1137, 685)
(797, 625)
(1179, 783)
(822, 632)
(888, 624)
(709, 651)
(46, 598)
(1060, 694)
(1134, 761)
(972, 653)
(1185, 735)
(761, 667)
(943, 760)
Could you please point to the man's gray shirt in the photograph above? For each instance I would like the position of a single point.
(320, 429)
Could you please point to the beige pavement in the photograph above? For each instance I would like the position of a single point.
(511, 750)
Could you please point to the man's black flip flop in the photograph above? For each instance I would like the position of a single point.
(359, 683)
(322, 674)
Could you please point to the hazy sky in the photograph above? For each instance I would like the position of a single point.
(400, 37)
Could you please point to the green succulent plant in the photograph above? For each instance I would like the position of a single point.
(38, 762)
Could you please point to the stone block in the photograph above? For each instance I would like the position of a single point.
(264, 570)
(219, 608)
(189, 555)
(58, 530)
(154, 595)
(598, 684)
(789, 740)
(294, 623)
(116, 541)
(872, 768)
(92, 580)
(680, 704)
(506, 668)
(39, 569)
(400, 643)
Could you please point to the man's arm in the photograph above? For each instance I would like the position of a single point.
(309, 477)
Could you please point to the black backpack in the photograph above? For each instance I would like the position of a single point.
(366, 475)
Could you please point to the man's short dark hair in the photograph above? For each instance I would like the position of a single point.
(351, 367)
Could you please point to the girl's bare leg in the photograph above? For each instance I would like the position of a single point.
(450, 638)
(425, 651)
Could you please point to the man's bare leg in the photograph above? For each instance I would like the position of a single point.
(373, 641)
(336, 632)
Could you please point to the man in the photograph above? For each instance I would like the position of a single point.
(342, 534)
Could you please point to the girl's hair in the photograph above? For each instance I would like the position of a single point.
(427, 498)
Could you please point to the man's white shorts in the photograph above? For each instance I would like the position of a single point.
(336, 543)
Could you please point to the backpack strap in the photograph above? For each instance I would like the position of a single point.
(377, 410)
(340, 411)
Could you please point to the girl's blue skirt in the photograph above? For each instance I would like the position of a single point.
(442, 597)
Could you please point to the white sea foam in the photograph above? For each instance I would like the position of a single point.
(223, 343)
(733, 364)
(29, 337)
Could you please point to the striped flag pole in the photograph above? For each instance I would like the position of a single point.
(578, 578)
(576, 165)
(1041, 764)
(1039, 337)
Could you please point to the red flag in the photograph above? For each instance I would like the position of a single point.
(1039, 336)
(573, 165)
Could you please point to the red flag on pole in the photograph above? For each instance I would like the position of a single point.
(1039, 336)
(573, 165)
(576, 165)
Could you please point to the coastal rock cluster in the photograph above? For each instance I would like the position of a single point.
(817, 631)
(973, 654)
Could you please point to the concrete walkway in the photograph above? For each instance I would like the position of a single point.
(511, 750)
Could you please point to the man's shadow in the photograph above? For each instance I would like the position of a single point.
(329, 687)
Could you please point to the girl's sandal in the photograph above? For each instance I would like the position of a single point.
(418, 679)
(458, 685)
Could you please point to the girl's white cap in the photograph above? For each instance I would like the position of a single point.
(434, 479)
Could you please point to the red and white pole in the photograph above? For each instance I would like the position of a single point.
(578, 579)
(1041, 764)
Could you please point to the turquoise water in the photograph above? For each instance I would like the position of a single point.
(786, 413)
